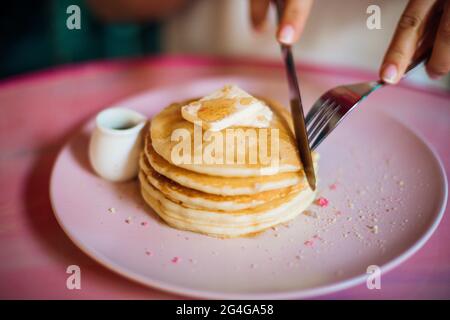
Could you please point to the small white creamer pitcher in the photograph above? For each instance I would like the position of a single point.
(116, 143)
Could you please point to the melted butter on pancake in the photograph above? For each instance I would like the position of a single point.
(287, 160)
(216, 109)
(228, 107)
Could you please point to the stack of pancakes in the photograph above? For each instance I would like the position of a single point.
(222, 200)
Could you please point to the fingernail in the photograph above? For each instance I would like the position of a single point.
(390, 73)
(286, 34)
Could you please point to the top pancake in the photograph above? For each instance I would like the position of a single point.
(170, 119)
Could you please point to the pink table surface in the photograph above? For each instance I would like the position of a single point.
(40, 111)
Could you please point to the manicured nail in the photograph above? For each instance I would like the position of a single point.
(286, 35)
(389, 74)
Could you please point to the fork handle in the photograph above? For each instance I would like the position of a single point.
(422, 58)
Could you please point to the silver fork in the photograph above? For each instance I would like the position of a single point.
(333, 106)
(336, 104)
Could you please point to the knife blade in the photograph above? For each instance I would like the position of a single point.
(298, 117)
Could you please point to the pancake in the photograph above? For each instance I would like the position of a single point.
(287, 159)
(225, 224)
(229, 199)
(202, 200)
(220, 185)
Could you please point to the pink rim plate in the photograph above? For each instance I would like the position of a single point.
(381, 212)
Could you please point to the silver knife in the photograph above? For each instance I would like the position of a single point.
(297, 109)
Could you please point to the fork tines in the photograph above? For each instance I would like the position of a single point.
(317, 123)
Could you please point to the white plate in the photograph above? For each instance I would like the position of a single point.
(390, 195)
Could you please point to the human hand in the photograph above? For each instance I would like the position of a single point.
(293, 19)
(417, 17)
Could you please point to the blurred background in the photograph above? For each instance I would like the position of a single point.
(34, 34)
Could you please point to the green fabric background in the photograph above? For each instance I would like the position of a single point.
(35, 36)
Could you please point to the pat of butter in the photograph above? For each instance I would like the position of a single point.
(228, 107)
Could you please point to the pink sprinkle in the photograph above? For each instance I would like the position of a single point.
(309, 243)
(144, 223)
(323, 202)
(149, 253)
(176, 259)
(333, 186)
(338, 213)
